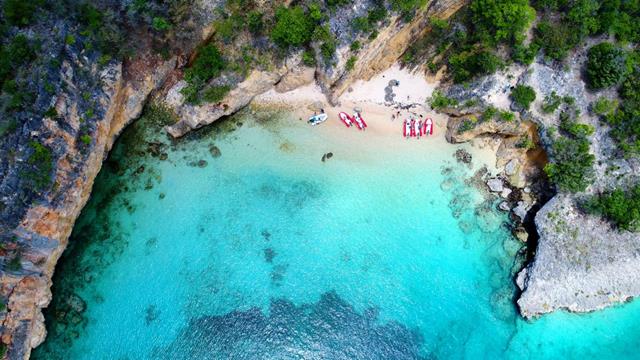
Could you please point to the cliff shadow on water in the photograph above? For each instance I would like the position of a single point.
(99, 238)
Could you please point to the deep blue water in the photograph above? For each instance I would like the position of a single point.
(383, 251)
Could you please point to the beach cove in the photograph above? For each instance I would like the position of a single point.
(239, 241)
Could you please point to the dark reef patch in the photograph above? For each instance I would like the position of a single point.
(269, 254)
(328, 329)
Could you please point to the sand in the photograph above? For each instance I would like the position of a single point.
(384, 119)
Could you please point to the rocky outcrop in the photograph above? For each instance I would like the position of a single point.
(43, 232)
(457, 134)
(196, 116)
(581, 263)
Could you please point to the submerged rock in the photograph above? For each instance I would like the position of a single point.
(463, 156)
(215, 151)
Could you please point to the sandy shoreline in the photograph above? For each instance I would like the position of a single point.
(384, 118)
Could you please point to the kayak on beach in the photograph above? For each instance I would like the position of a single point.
(346, 119)
(357, 118)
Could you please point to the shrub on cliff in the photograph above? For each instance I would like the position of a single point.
(438, 100)
(605, 66)
(406, 8)
(523, 95)
(20, 12)
(292, 28)
(501, 20)
(208, 64)
(572, 166)
(467, 65)
(41, 159)
(215, 93)
(619, 206)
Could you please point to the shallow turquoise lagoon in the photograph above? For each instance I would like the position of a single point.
(385, 250)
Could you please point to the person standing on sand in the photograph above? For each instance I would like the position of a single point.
(419, 129)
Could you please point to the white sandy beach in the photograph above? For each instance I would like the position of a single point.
(384, 123)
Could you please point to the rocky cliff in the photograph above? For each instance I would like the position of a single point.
(580, 262)
(36, 231)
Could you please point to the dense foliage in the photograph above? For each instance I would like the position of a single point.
(606, 65)
(572, 167)
(293, 27)
(523, 95)
(501, 20)
(207, 65)
(619, 206)
(467, 44)
(565, 23)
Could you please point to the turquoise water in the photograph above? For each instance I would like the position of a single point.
(384, 250)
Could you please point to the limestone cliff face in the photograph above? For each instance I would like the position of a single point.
(581, 263)
(46, 227)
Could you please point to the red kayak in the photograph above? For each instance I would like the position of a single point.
(360, 120)
(413, 128)
(346, 119)
(428, 126)
(405, 128)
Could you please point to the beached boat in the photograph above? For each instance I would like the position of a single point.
(412, 128)
(428, 127)
(405, 128)
(317, 119)
(357, 117)
(346, 119)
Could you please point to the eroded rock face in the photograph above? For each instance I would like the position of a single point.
(501, 128)
(581, 263)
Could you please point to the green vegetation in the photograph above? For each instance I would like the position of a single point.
(572, 167)
(406, 8)
(351, 63)
(523, 95)
(42, 160)
(525, 142)
(468, 43)
(85, 139)
(565, 24)
(438, 100)
(337, 3)
(551, 103)
(605, 66)
(292, 28)
(70, 39)
(16, 54)
(367, 24)
(501, 20)
(160, 24)
(208, 64)
(15, 263)
(255, 22)
(489, 113)
(604, 106)
(215, 93)
(618, 206)
(20, 12)
(466, 125)
(467, 65)
(507, 116)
